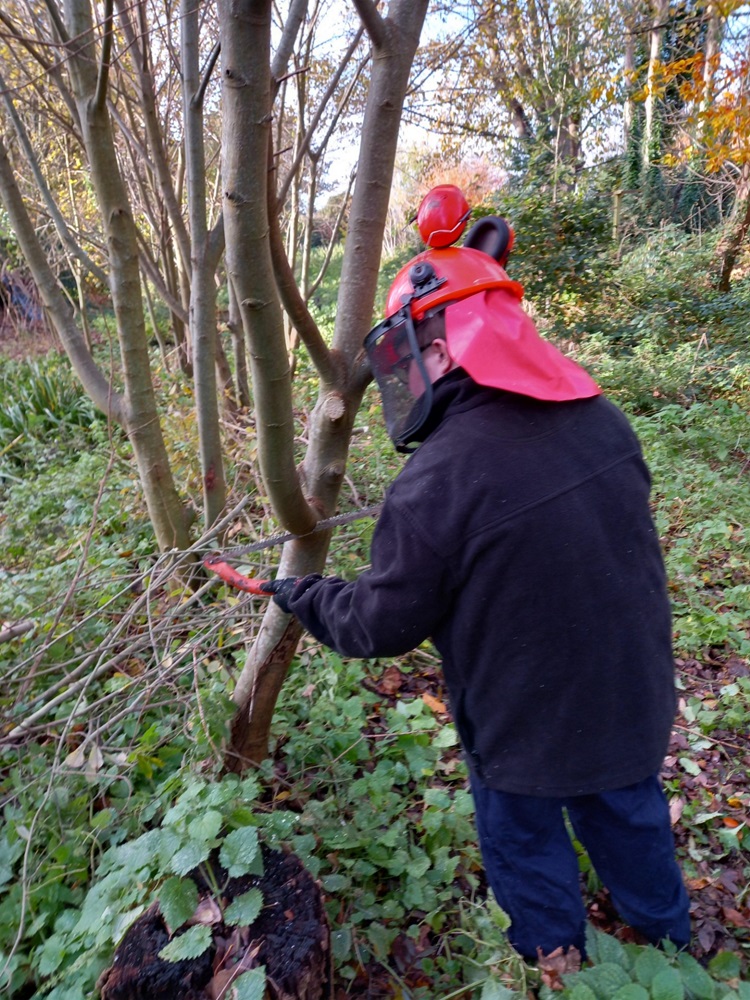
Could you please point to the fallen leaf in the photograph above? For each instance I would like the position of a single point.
(734, 917)
(676, 809)
(77, 758)
(207, 912)
(558, 964)
(94, 763)
(391, 681)
(434, 703)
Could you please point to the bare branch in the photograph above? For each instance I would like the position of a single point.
(371, 19)
(60, 224)
(103, 77)
(57, 20)
(197, 99)
(12, 630)
(92, 379)
(329, 92)
(294, 20)
(149, 268)
(294, 304)
(332, 242)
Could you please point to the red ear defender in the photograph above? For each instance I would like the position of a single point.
(442, 216)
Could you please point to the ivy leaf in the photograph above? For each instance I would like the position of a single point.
(245, 908)
(178, 899)
(251, 985)
(191, 944)
(239, 851)
(189, 857)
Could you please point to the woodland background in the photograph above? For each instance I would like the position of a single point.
(202, 207)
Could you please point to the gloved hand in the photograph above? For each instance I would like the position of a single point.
(281, 590)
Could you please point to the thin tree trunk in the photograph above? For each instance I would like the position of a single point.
(650, 150)
(204, 261)
(89, 88)
(394, 40)
(59, 311)
(732, 246)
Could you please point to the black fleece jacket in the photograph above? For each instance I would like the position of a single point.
(519, 538)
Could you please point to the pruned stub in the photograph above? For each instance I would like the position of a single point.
(290, 937)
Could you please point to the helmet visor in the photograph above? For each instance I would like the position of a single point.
(405, 387)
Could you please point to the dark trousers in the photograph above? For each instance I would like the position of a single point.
(532, 866)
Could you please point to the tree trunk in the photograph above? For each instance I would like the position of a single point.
(651, 143)
(714, 33)
(731, 246)
(343, 374)
(89, 88)
(59, 311)
(205, 253)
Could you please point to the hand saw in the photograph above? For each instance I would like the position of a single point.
(217, 561)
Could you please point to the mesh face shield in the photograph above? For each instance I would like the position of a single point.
(405, 387)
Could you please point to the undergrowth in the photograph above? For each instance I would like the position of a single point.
(366, 783)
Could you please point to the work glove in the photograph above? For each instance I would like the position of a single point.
(281, 590)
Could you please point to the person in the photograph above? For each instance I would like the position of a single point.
(518, 537)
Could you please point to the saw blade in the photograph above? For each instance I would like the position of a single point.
(289, 536)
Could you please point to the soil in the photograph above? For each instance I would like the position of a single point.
(290, 938)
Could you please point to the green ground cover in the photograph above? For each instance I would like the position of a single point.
(365, 783)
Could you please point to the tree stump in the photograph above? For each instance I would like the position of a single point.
(290, 937)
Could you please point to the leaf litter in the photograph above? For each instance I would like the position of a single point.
(707, 779)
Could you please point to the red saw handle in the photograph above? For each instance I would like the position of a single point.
(230, 575)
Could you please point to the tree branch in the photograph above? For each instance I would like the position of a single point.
(60, 224)
(372, 21)
(56, 18)
(94, 382)
(103, 77)
(305, 144)
(294, 305)
(329, 249)
(151, 271)
(295, 17)
(197, 100)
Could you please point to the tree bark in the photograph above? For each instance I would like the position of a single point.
(89, 89)
(731, 247)
(99, 388)
(203, 263)
(344, 373)
(650, 150)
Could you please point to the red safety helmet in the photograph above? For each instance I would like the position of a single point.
(436, 277)
(442, 215)
(487, 332)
